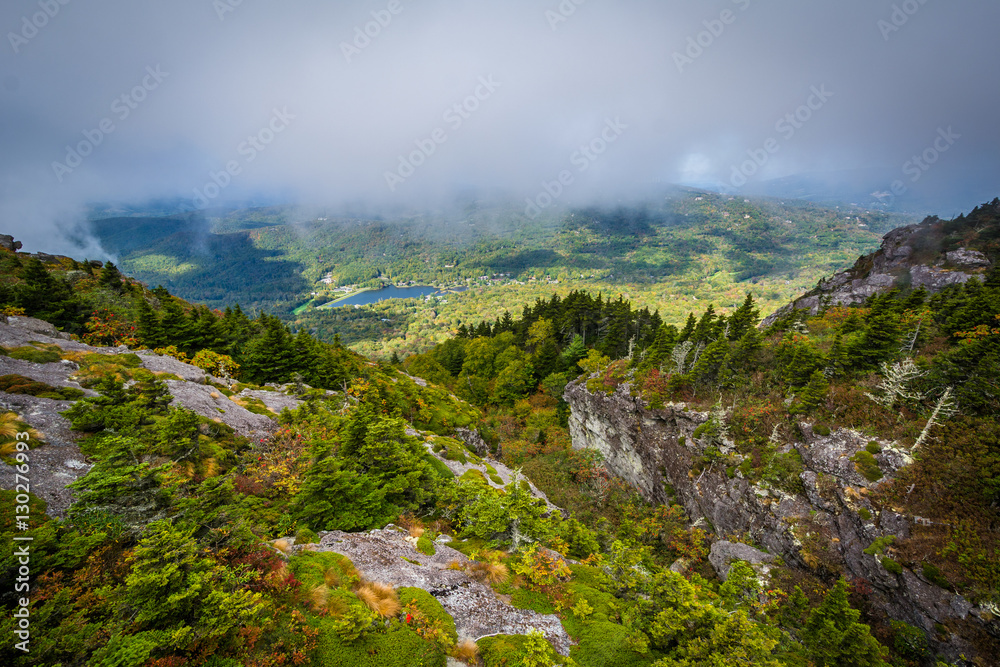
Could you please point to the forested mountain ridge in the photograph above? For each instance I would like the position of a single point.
(662, 253)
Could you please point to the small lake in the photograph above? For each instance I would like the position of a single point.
(374, 296)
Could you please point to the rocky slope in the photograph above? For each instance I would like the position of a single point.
(389, 556)
(829, 525)
(59, 461)
(932, 255)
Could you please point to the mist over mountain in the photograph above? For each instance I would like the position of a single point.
(563, 103)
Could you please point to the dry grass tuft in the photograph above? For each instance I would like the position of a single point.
(215, 395)
(417, 531)
(336, 607)
(283, 546)
(380, 598)
(319, 596)
(466, 651)
(332, 577)
(491, 572)
(496, 573)
(456, 565)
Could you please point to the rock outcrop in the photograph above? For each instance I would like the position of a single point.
(59, 461)
(389, 556)
(908, 256)
(827, 521)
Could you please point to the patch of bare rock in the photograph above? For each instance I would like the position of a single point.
(389, 556)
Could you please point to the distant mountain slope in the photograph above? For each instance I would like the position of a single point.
(934, 254)
(272, 258)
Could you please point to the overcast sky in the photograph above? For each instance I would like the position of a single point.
(119, 100)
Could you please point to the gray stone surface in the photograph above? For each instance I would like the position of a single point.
(275, 401)
(207, 401)
(645, 448)
(59, 461)
(505, 474)
(380, 556)
(56, 463)
(723, 554)
(891, 264)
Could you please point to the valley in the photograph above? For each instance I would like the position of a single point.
(672, 254)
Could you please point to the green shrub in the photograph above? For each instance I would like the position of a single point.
(892, 566)
(910, 642)
(873, 447)
(821, 429)
(18, 384)
(34, 355)
(306, 536)
(866, 464)
(865, 514)
(933, 575)
(533, 600)
(430, 607)
(473, 475)
(438, 467)
(314, 568)
(531, 650)
(880, 545)
(425, 546)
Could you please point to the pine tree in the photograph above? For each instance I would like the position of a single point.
(576, 351)
(745, 318)
(804, 361)
(110, 278)
(836, 360)
(176, 325)
(48, 298)
(814, 393)
(688, 329)
(711, 362)
(834, 638)
(706, 326)
(148, 326)
(659, 352)
(880, 339)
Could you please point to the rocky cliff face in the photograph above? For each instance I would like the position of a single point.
(915, 256)
(829, 525)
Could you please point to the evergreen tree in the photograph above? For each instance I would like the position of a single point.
(814, 393)
(176, 326)
(837, 360)
(207, 331)
(110, 278)
(546, 360)
(659, 352)
(711, 361)
(745, 318)
(834, 638)
(48, 298)
(270, 356)
(148, 326)
(688, 329)
(804, 361)
(576, 351)
(705, 327)
(880, 339)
